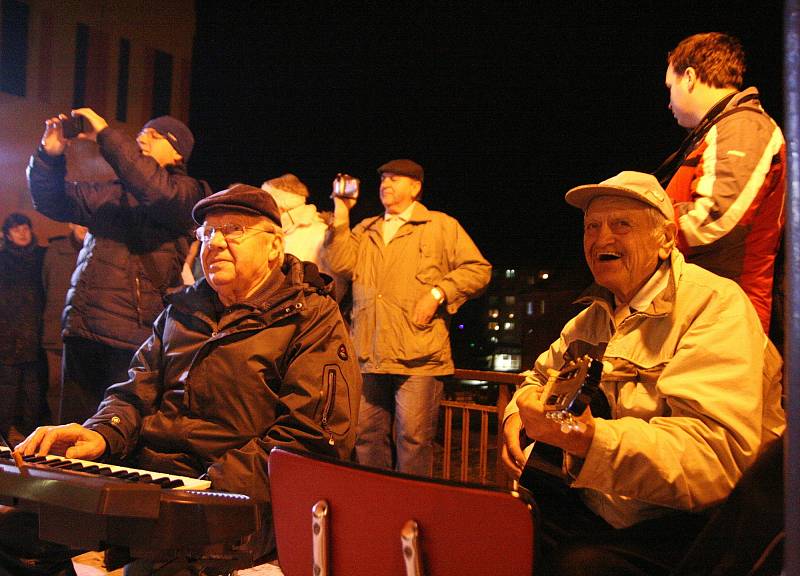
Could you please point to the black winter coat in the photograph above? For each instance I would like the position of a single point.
(21, 303)
(114, 297)
(214, 389)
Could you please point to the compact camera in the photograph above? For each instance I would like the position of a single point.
(345, 186)
(73, 126)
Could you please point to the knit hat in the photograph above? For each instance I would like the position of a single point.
(176, 132)
(239, 198)
(637, 185)
(404, 167)
(286, 183)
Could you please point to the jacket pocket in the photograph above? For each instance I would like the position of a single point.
(333, 408)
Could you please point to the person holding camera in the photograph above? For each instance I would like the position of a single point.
(303, 225)
(139, 229)
(411, 269)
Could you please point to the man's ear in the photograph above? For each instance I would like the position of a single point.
(275, 251)
(690, 74)
(418, 189)
(669, 231)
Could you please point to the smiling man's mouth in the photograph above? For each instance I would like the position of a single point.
(608, 256)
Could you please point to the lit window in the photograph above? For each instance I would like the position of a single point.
(493, 339)
(494, 313)
(508, 326)
(529, 308)
(510, 300)
(511, 315)
(494, 326)
(506, 362)
(511, 273)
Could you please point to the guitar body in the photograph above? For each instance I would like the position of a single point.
(566, 395)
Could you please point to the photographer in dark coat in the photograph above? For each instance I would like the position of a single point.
(253, 356)
(139, 228)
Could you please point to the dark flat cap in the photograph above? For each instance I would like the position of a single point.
(239, 198)
(404, 167)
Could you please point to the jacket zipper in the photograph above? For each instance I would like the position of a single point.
(330, 390)
(139, 301)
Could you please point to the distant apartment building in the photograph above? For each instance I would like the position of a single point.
(129, 60)
(525, 311)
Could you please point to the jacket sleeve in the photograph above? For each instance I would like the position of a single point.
(319, 398)
(119, 416)
(66, 201)
(170, 194)
(469, 270)
(340, 248)
(711, 396)
(732, 170)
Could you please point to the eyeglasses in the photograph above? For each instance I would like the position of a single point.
(233, 232)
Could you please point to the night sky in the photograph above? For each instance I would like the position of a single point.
(506, 104)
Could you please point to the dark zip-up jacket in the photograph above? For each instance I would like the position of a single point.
(214, 389)
(113, 296)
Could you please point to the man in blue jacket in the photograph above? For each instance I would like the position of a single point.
(139, 225)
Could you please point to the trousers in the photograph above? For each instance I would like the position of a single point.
(398, 416)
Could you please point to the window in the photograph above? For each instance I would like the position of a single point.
(529, 308)
(81, 64)
(494, 326)
(493, 339)
(506, 362)
(494, 312)
(511, 273)
(162, 83)
(508, 326)
(13, 47)
(123, 72)
(510, 300)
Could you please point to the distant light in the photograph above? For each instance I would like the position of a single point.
(460, 326)
(545, 275)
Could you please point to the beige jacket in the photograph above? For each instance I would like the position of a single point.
(431, 249)
(694, 390)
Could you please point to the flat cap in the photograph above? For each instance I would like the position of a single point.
(404, 167)
(286, 183)
(239, 198)
(637, 185)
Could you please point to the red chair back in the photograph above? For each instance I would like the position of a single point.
(462, 529)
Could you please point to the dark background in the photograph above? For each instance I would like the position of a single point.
(506, 104)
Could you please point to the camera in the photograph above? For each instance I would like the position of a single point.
(345, 186)
(73, 126)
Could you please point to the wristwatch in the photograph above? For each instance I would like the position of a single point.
(437, 293)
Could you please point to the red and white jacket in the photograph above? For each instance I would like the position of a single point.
(729, 195)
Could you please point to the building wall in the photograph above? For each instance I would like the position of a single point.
(148, 25)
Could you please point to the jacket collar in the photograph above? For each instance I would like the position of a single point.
(303, 215)
(662, 304)
(284, 294)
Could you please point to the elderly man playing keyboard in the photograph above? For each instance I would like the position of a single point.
(255, 355)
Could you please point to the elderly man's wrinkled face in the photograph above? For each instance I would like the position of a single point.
(398, 192)
(623, 244)
(238, 252)
(21, 235)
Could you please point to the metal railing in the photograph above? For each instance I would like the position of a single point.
(506, 383)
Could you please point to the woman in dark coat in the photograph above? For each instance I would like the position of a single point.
(21, 304)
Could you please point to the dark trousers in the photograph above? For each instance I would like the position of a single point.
(21, 392)
(573, 541)
(89, 368)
